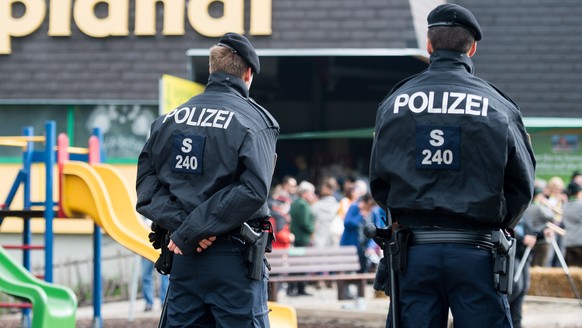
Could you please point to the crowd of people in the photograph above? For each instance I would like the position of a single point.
(555, 214)
(331, 214)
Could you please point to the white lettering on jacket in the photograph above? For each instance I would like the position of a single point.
(450, 103)
(206, 117)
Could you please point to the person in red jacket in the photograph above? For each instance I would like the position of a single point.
(280, 220)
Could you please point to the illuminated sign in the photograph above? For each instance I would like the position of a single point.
(116, 23)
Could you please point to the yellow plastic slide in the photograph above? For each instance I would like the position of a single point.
(101, 193)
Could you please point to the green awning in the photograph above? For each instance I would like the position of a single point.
(540, 124)
(532, 124)
(365, 133)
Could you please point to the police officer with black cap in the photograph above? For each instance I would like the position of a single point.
(452, 163)
(204, 173)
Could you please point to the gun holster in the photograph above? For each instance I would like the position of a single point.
(164, 263)
(398, 248)
(503, 261)
(259, 242)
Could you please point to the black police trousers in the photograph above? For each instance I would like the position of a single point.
(440, 276)
(211, 289)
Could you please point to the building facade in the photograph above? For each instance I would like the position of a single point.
(325, 64)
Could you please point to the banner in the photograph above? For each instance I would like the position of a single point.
(175, 91)
(557, 153)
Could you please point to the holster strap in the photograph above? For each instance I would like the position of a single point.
(233, 232)
(451, 237)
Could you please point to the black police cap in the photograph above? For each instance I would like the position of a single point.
(242, 47)
(451, 14)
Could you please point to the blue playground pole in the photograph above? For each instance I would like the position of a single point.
(49, 213)
(26, 166)
(26, 231)
(97, 288)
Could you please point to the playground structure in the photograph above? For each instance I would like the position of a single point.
(88, 188)
(94, 190)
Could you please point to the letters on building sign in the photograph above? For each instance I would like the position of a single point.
(62, 13)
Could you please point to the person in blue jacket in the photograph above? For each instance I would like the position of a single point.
(364, 211)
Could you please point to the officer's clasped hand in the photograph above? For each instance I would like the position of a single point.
(205, 243)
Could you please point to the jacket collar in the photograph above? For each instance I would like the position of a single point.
(451, 59)
(225, 81)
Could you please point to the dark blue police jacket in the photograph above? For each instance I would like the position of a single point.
(451, 149)
(207, 165)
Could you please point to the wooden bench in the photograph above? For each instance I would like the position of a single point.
(339, 264)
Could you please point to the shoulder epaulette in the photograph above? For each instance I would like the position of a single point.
(269, 119)
(502, 94)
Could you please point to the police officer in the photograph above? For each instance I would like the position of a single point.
(205, 170)
(451, 161)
